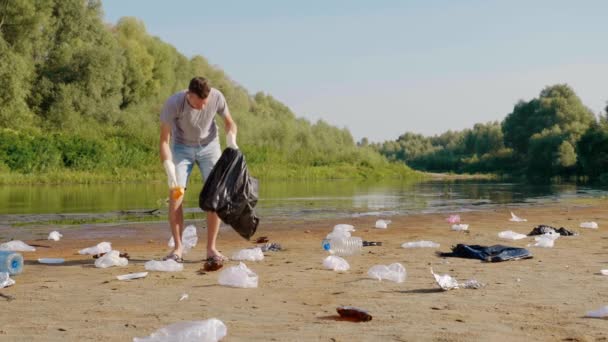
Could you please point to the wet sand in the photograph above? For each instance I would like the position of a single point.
(543, 298)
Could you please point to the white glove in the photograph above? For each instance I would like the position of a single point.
(170, 170)
(231, 140)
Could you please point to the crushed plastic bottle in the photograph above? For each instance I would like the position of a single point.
(238, 276)
(211, 330)
(344, 246)
(11, 262)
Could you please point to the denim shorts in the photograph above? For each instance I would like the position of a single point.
(185, 156)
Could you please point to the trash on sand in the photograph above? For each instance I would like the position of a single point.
(168, 265)
(335, 263)
(111, 258)
(353, 313)
(493, 253)
(238, 276)
(421, 244)
(600, 313)
(122, 255)
(546, 240)
(213, 264)
(446, 282)
(249, 254)
(51, 260)
(102, 247)
(262, 239)
(5, 280)
(460, 227)
(544, 229)
(55, 236)
(453, 219)
(130, 276)
(11, 262)
(604, 272)
(511, 235)
(16, 246)
(515, 218)
(341, 231)
(189, 239)
(273, 247)
(590, 225)
(382, 224)
(211, 330)
(394, 272)
(183, 297)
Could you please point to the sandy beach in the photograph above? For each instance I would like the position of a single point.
(544, 298)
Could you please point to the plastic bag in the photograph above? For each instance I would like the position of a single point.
(232, 193)
(131, 276)
(420, 244)
(511, 235)
(55, 236)
(102, 247)
(111, 258)
(335, 263)
(604, 272)
(189, 239)
(238, 276)
(382, 224)
(340, 231)
(16, 246)
(447, 282)
(460, 227)
(600, 313)
(453, 219)
(591, 225)
(249, 254)
(514, 218)
(394, 272)
(543, 241)
(5, 280)
(211, 330)
(168, 265)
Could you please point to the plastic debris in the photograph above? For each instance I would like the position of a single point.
(238, 276)
(51, 260)
(335, 263)
(272, 247)
(183, 297)
(111, 258)
(130, 276)
(393, 272)
(353, 313)
(189, 239)
(453, 219)
(604, 272)
(600, 313)
(515, 218)
(590, 225)
(447, 282)
(382, 224)
(16, 246)
(546, 240)
(543, 229)
(5, 280)
(55, 236)
(420, 244)
(460, 227)
(211, 330)
(511, 235)
(495, 253)
(168, 265)
(102, 247)
(249, 254)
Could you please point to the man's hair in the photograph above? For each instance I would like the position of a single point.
(200, 87)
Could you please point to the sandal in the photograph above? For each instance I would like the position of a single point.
(174, 257)
(213, 263)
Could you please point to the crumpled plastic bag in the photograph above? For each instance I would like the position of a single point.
(168, 265)
(211, 330)
(249, 254)
(460, 227)
(393, 272)
(189, 239)
(335, 263)
(100, 248)
(131, 276)
(600, 313)
(16, 246)
(420, 244)
(515, 218)
(590, 225)
(238, 276)
(447, 282)
(111, 258)
(511, 235)
(453, 219)
(382, 224)
(5, 280)
(604, 272)
(341, 231)
(546, 240)
(55, 236)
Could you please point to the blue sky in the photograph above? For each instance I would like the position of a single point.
(381, 68)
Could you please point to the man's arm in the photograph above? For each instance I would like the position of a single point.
(230, 130)
(165, 149)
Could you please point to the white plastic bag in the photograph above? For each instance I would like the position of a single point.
(590, 225)
(238, 276)
(604, 272)
(420, 244)
(211, 330)
(446, 282)
(249, 254)
(460, 227)
(5, 280)
(16, 246)
(189, 239)
(131, 276)
(515, 218)
(546, 240)
(394, 272)
(341, 231)
(511, 235)
(111, 258)
(344, 227)
(600, 313)
(382, 224)
(335, 263)
(55, 236)
(168, 265)
(453, 219)
(102, 247)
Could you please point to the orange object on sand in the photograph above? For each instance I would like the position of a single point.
(176, 193)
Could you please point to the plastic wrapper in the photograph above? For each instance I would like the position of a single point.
(55, 236)
(600, 313)
(100, 248)
(16, 246)
(131, 276)
(511, 235)
(249, 254)
(168, 265)
(515, 218)
(393, 272)
(382, 224)
(460, 227)
(5, 280)
(111, 258)
(335, 263)
(420, 244)
(238, 276)
(51, 261)
(189, 239)
(211, 330)
(590, 225)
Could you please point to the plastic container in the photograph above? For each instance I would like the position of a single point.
(344, 246)
(11, 262)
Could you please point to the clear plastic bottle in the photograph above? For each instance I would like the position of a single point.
(344, 246)
(11, 262)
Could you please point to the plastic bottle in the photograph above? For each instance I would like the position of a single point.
(344, 246)
(11, 262)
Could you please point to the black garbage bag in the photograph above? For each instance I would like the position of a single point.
(232, 193)
(544, 229)
(494, 253)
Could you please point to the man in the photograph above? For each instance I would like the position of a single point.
(187, 119)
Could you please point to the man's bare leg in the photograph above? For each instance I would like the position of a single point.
(213, 227)
(176, 222)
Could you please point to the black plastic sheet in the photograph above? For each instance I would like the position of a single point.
(494, 253)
